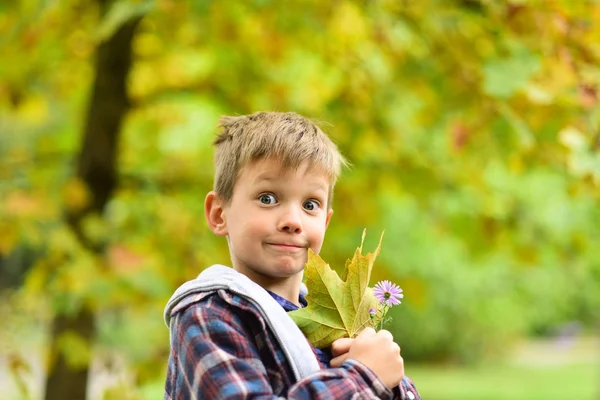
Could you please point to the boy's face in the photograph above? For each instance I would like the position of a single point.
(272, 219)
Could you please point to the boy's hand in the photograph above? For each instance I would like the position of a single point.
(376, 350)
(339, 351)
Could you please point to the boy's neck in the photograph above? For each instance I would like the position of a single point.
(288, 288)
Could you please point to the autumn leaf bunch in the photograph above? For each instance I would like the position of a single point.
(343, 305)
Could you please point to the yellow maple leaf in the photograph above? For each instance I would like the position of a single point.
(338, 306)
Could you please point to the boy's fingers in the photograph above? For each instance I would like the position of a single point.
(341, 346)
(386, 334)
(367, 332)
(338, 361)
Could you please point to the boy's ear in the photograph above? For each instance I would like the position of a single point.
(329, 214)
(215, 215)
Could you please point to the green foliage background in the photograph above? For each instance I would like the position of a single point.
(473, 129)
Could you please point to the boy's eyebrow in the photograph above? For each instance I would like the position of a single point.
(265, 178)
(268, 177)
(318, 186)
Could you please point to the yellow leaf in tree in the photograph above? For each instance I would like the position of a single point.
(338, 306)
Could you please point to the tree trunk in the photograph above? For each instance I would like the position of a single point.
(97, 170)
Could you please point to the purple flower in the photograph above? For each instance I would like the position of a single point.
(372, 311)
(388, 293)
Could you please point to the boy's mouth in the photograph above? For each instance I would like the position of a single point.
(287, 246)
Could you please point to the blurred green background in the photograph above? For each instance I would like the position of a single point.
(473, 129)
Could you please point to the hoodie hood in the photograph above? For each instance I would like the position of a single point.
(291, 339)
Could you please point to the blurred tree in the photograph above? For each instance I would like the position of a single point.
(96, 179)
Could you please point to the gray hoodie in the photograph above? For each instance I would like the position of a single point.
(291, 339)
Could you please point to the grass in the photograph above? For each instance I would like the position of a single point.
(538, 371)
(581, 382)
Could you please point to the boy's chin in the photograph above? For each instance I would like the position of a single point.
(283, 271)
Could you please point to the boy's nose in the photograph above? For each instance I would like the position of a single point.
(290, 221)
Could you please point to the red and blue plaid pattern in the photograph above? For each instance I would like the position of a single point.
(221, 348)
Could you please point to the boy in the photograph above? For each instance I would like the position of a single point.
(230, 336)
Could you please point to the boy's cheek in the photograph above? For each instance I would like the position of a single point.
(316, 249)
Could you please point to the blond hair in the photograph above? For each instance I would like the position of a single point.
(288, 137)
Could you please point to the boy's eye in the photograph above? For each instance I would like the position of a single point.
(267, 199)
(311, 205)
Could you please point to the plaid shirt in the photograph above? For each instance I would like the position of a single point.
(221, 348)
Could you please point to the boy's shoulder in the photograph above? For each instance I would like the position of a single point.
(222, 290)
(239, 303)
(222, 333)
(213, 291)
(220, 304)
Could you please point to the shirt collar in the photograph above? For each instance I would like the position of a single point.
(322, 354)
(286, 304)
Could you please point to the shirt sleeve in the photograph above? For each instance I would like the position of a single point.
(406, 390)
(214, 355)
